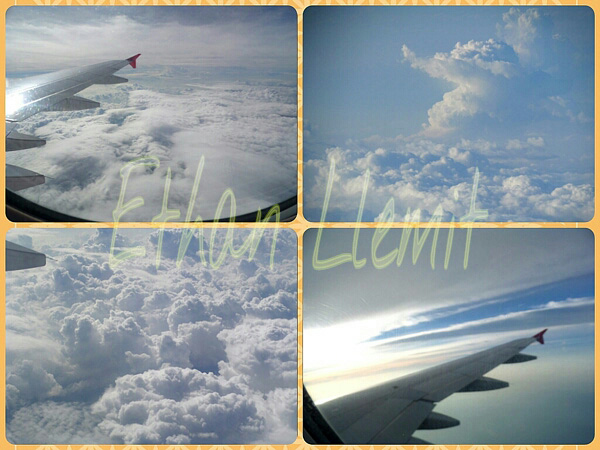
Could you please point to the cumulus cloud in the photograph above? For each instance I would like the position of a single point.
(178, 406)
(27, 383)
(424, 175)
(498, 83)
(182, 354)
(483, 73)
(524, 32)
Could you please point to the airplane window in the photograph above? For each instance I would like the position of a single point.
(195, 131)
(413, 352)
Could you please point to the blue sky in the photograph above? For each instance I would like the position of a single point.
(420, 100)
(366, 326)
(140, 354)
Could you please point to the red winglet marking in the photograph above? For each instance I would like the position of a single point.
(540, 336)
(132, 60)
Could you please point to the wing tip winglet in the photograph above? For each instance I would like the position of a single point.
(132, 60)
(540, 336)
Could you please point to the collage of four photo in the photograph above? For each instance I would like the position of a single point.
(284, 225)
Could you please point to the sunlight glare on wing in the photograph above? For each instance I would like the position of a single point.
(13, 103)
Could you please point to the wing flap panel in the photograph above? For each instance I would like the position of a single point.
(74, 103)
(370, 425)
(19, 141)
(19, 257)
(440, 389)
(438, 421)
(112, 79)
(484, 384)
(349, 408)
(18, 178)
(402, 427)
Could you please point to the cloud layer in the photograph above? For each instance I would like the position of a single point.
(422, 174)
(43, 40)
(136, 354)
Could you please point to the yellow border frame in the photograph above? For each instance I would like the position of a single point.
(300, 224)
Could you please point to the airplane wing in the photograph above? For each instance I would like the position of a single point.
(51, 92)
(19, 257)
(391, 412)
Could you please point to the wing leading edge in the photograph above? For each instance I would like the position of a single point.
(51, 92)
(391, 412)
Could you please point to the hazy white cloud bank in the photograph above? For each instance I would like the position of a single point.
(509, 110)
(211, 37)
(136, 354)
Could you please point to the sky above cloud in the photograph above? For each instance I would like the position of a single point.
(420, 101)
(42, 39)
(218, 83)
(139, 354)
(366, 326)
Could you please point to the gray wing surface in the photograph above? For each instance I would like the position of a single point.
(391, 412)
(51, 92)
(19, 257)
(56, 91)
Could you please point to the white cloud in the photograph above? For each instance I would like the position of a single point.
(52, 422)
(479, 70)
(509, 321)
(210, 350)
(520, 32)
(178, 406)
(28, 382)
